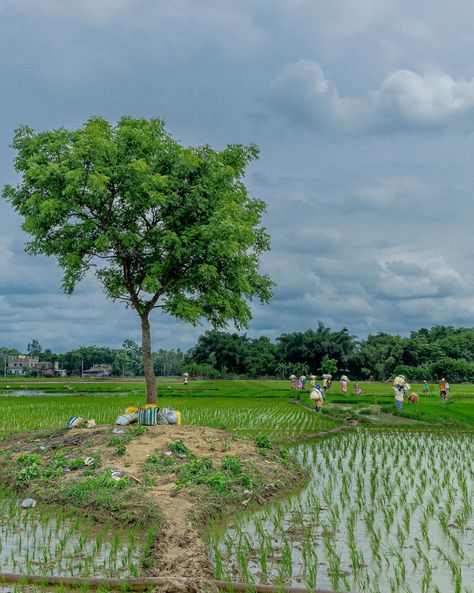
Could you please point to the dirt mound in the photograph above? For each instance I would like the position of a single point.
(177, 476)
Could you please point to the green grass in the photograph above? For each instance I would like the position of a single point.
(247, 416)
(166, 386)
(246, 407)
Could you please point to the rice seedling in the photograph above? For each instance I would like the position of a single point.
(42, 540)
(376, 525)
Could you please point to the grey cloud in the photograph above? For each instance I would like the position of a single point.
(390, 189)
(370, 229)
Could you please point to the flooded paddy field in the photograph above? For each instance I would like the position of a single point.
(383, 512)
(41, 540)
(59, 543)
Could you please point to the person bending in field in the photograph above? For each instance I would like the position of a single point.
(413, 398)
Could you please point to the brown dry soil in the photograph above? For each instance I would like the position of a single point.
(150, 493)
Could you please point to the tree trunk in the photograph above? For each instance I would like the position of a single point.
(148, 361)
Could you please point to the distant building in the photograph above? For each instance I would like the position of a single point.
(50, 370)
(31, 365)
(22, 365)
(98, 370)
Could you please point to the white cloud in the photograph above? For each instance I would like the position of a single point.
(429, 99)
(406, 100)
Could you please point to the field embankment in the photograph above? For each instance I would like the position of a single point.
(173, 478)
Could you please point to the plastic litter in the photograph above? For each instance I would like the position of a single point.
(126, 419)
(168, 453)
(91, 423)
(75, 421)
(28, 503)
(89, 461)
(117, 476)
(118, 431)
(171, 417)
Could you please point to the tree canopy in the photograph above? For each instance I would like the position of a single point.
(161, 224)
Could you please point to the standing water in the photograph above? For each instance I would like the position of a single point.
(382, 513)
(45, 541)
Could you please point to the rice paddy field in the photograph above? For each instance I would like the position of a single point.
(390, 512)
(276, 418)
(57, 542)
(385, 511)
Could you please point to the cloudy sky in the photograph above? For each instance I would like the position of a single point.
(364, 113)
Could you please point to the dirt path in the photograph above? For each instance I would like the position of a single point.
(179, 550)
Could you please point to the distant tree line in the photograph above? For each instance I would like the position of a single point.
(126, 361)
(425, 354)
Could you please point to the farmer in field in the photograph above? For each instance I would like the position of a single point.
(303, 382)
(426, 389)
(344, 383)
(400, 387)
(317, 396)
(313, 381)
(413, 398)
(357, 389)
(325, 385)
(443, 392)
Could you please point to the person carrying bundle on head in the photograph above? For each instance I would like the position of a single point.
(317, 396)
(400, 387)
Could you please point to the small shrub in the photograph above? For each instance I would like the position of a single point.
(179, 448)
(136, 430)
(201, 471)
(263, 443)
(26, 459)
(232, 464)
(121, 449)
(245, 481)
(114, 441)
(28, 473)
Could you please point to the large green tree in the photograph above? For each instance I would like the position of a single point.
(162, 224)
